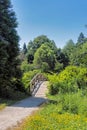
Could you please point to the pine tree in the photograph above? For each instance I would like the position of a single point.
(81, 38)
(24, 48)
(9, 48)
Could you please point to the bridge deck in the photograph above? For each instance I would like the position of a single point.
(42, 90)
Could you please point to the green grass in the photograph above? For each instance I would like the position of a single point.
(5, 102)
(2, 106)
(49, 119)
(62, 112)
(74, 103)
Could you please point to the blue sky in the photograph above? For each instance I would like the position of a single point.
(60, 20)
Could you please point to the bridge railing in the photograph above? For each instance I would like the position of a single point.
(36, 82)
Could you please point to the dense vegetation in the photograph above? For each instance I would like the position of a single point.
(42, 55)
(10, 73)
(65, 69)
(49, 119)
(72, 79)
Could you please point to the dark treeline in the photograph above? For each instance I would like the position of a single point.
(9, 50)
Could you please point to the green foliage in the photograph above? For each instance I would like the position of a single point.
(25, 67)
(44, 67)
(82, 78)
(43, 51)
(9, 48)
(24, 49)
(34, 45)
(2, 106)
(38, 41)
(74, 103)
(3, 56)
(79, 58)
(45, 54)
(69, 113)
(69, 49)
(27, 77)
(70, 80)
(17, 85)
(30, 58)
(3, 61)
(58, 67)
(77, 53)
(54, 121)
(62, 58)
(81, 38)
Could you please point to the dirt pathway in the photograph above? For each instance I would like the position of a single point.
(12, 115)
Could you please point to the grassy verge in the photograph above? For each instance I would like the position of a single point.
(5, 102)
(55, 121)
(63, 112)
(2, 106)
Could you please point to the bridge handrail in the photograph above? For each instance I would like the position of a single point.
(35, 81)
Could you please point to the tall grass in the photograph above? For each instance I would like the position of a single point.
(62, 112)
(74, 103)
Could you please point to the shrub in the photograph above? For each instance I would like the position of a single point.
(26, 67)
(18, 85)
(82, 78)
(74, 103)
(27, 76)
(69, 80)
(46, 120)
(58, 67)
(44, 67)
(53, 88)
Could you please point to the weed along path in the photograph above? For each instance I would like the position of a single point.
(12, 115)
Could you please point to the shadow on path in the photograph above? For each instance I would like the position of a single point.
(15, 113)
(30, 102)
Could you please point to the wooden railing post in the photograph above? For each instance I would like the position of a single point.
(36, 81)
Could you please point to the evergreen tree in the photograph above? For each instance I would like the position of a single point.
(81, 38)
(69, 49)
(9, 48)
(24, 48)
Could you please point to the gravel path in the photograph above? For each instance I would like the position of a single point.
(12, 115)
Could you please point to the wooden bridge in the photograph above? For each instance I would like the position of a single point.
(20, 110)
(35, 83)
